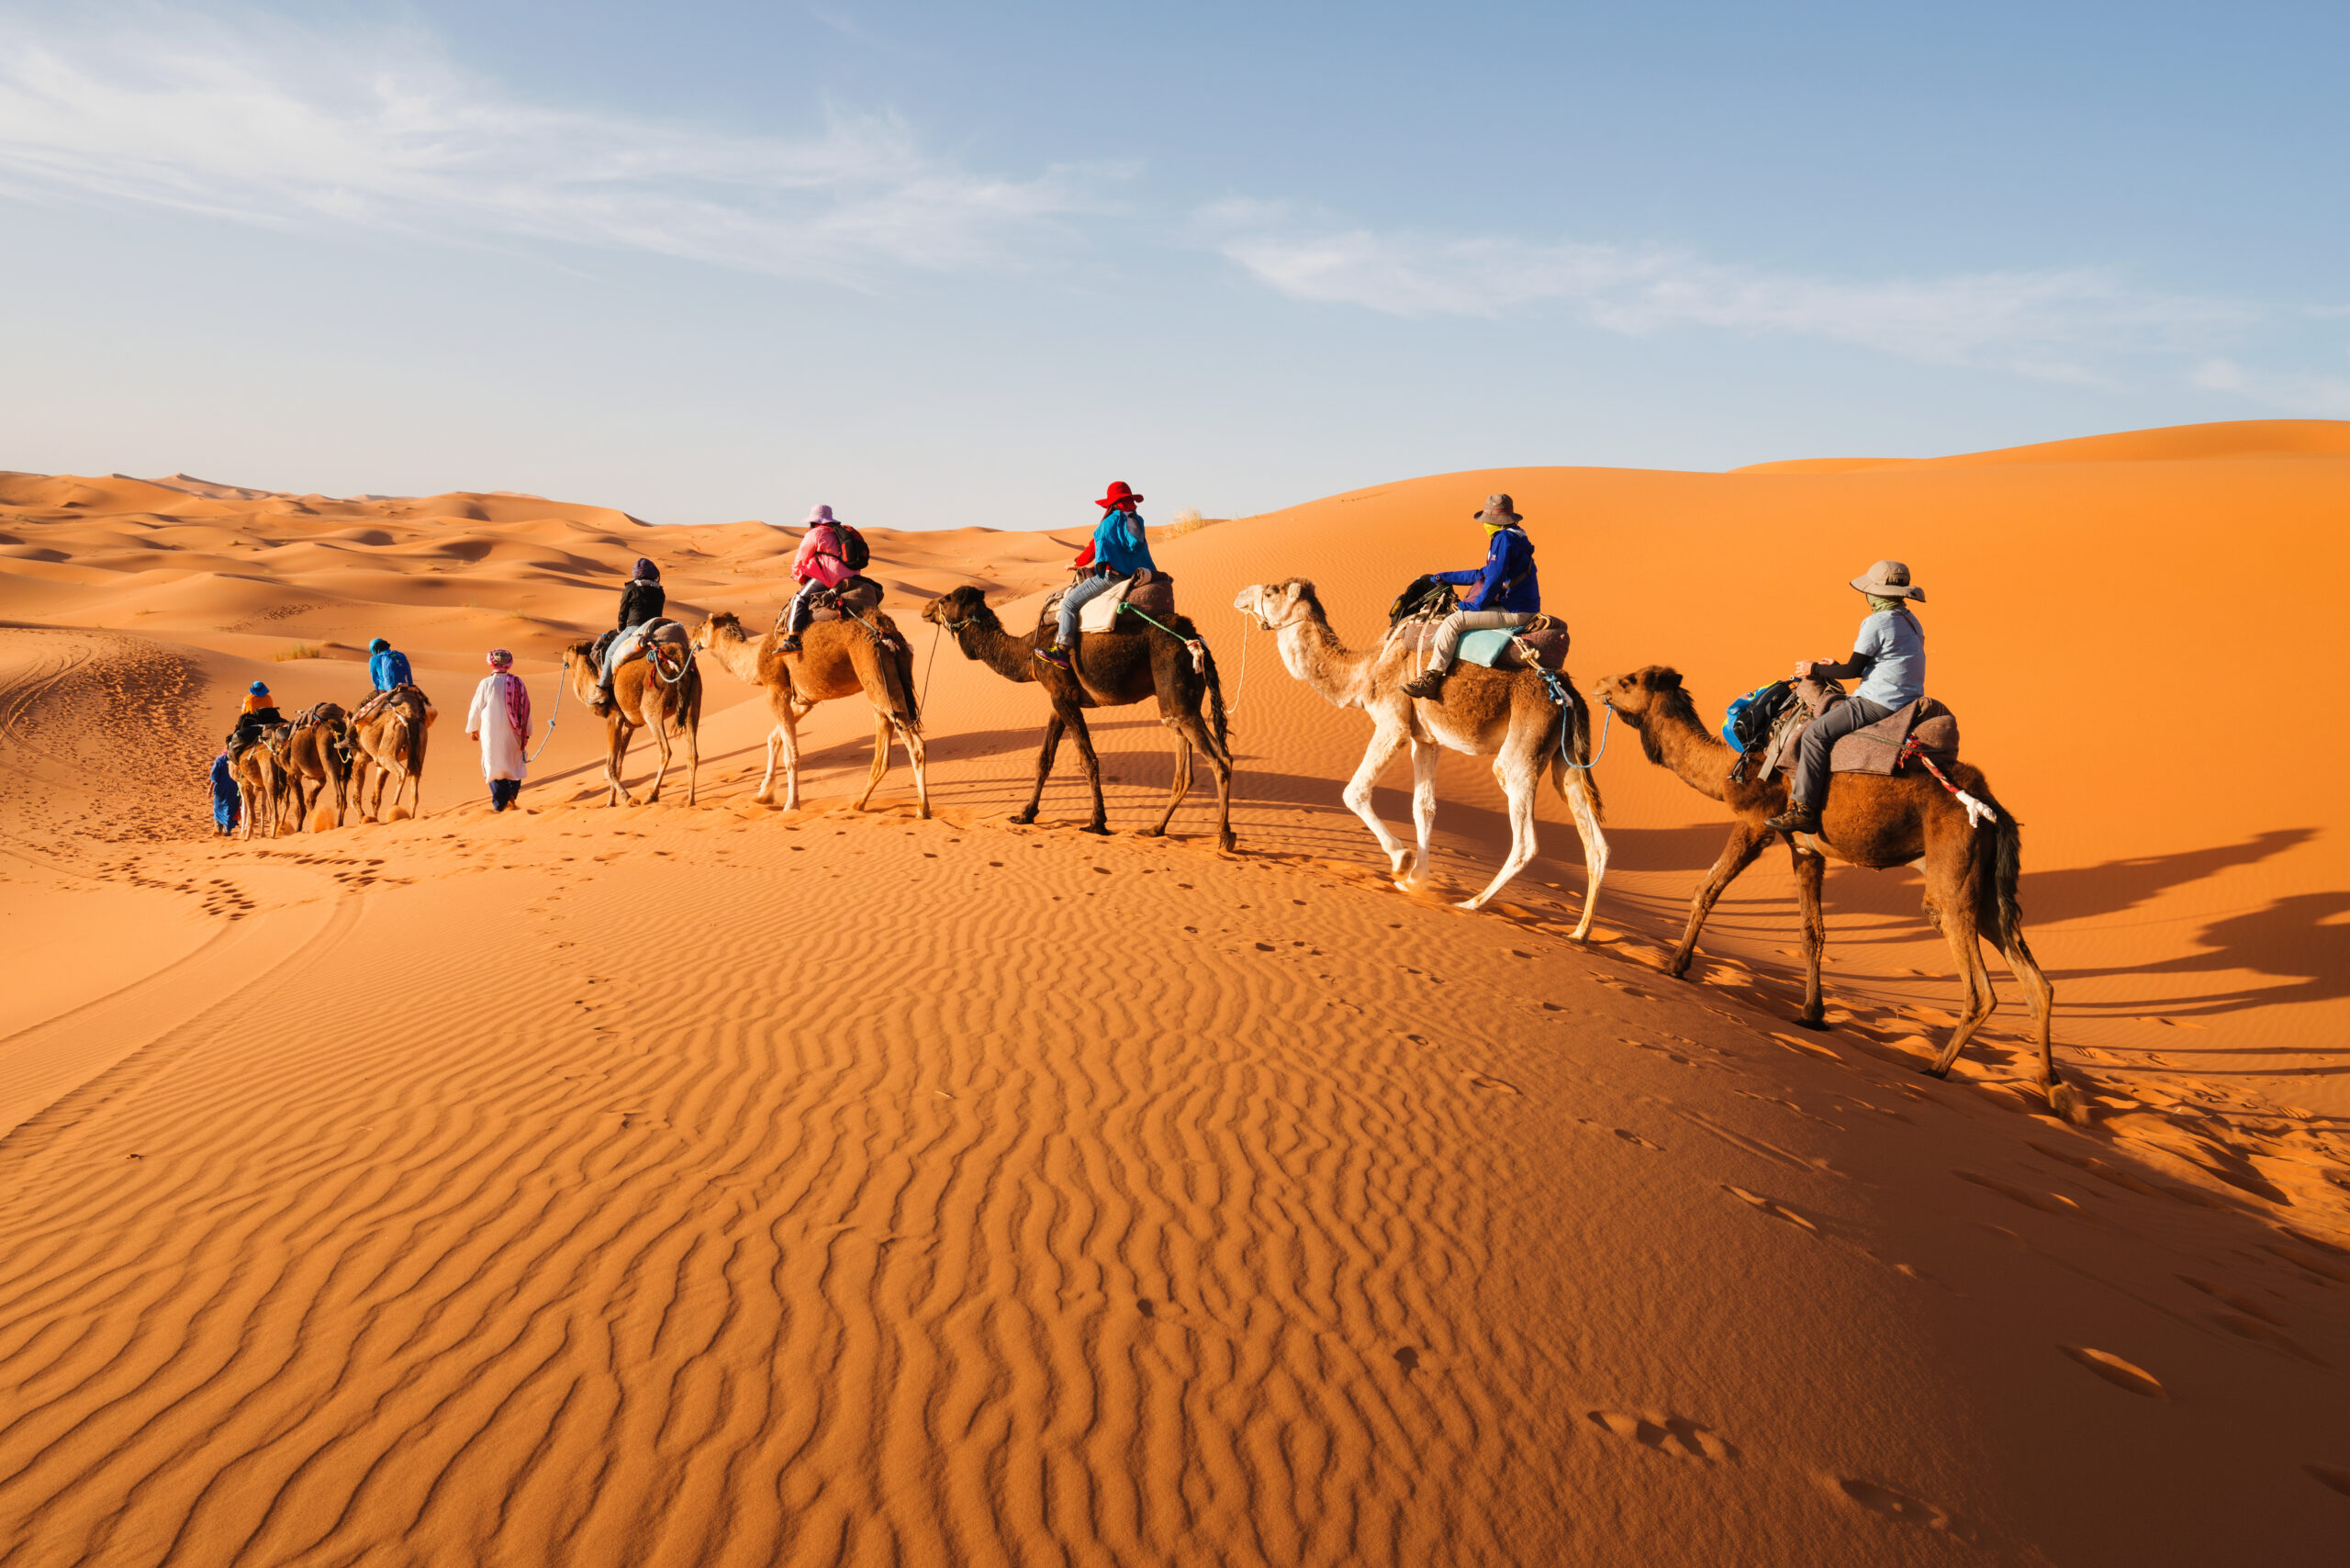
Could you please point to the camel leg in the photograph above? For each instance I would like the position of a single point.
(1811, 871)
(765, 791)
(1085, 754)
(918, 758)
(882, 729)
(1516, 776)
(693, 759)
(1955, 911)
(615, 755)
(1181, 784)
(1053, 727)
(1425, 756)
(1745, 843)
(2043, 996)
(1585, 803)
(1193, 732)
(662, 751)
(790, 733)
(1408, 870)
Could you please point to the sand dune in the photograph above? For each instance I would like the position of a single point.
(722, 1185)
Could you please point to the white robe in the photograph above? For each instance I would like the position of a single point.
(501, 749)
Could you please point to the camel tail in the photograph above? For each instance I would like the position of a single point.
(1577, 720)
(1215, 702)
(1999, 913)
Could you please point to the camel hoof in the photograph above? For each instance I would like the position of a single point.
(1096, 829)
(2066, 1101)
(1478, 902)
(1816, 1026)
(1678, 968)
(1229, 844)
(1152, 833)
(1023, 818)
(1935, 1070)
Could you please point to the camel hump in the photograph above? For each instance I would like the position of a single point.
(1877, 748)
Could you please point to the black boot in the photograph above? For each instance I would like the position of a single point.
(1797, 818)
(1428, 686)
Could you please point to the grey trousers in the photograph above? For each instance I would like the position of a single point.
(1841, 720)
(1081, 593)
(1449, 631)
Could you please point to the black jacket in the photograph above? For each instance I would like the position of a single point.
(640, 602)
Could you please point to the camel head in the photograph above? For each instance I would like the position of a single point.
(1289, 602)
(1657, 689)
(707, 632)
(958, 608)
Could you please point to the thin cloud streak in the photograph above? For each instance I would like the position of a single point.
(279, 127)
(2064, 325)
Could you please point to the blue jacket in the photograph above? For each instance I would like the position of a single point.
(1509, 560)
(390, 668)
(1120, 544)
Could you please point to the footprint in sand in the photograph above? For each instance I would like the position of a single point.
(1630, 1137)
(2334, 1475)
(1479, 1081)
(2116, 1371)
(1893, 1505)
(1777, 1211)
(1675, 1435)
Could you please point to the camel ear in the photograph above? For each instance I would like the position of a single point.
(1667, 681)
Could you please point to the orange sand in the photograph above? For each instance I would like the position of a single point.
(722, 1186)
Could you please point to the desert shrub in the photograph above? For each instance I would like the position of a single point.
(296, 651)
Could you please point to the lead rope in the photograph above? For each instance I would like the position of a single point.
(1247, 626)
(930, 665)
(1198, 649)
(555, 715)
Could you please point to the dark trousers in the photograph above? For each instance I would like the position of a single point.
(802, 609)
(502, 792)
(1842, 719)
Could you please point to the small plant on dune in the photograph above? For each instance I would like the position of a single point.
(1187, 520)
(297, 651)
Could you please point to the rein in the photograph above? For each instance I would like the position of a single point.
(1198, 649)
(552, 716)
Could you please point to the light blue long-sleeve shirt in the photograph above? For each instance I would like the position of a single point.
(1889, 650)
(1119, 543)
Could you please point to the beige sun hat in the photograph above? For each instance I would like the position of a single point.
(1500, 511)
(1890, 579)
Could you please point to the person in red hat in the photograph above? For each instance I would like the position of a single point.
(1120, 549)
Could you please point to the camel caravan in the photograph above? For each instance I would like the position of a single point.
(1869, 776)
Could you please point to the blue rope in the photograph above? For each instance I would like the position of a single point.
(1563, 698)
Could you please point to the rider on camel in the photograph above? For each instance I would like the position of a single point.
(822, 563)
(1121, 548)
(1889, 650)
(641, 602)
(1509, 595)
(388, 666)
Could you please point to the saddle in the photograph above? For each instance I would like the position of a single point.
(1151, 592)
(1877, 748)
(377, 701)
(1541, 644)
(859, 595)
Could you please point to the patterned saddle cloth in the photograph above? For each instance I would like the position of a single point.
(1149, 591)
(1546, 637)
(862, 595)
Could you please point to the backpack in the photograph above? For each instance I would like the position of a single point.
(854, 550)
(1425, 597)
(1748, 724)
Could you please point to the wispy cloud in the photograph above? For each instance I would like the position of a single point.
(2326, 396)
(2065, 325)
(266, 124)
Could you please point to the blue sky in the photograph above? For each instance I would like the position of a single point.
(944, 264)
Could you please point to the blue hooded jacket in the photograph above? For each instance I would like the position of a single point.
(1507, 580)
(1119, 543)
(390, 668)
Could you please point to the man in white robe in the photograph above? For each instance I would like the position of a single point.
(500, 718)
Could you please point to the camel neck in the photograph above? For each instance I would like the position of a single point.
(1702, 760)
(1011, 657)
(736, 654)
(1312, 653)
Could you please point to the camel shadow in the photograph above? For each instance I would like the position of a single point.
(2301, 939)
(2079, 892)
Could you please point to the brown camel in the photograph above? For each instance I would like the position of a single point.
(837, 658)
(259, 785)
(1876, 821)
(1113, 668)
(390, 743)
(318, 755)
(644, 697)
(1505, 714)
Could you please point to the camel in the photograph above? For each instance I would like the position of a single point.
(1505, 714)
(390, 743)
(643, 698)
(838, 658)
(258, 784)
(1876, 821)
(317, 754)
(1113, 668)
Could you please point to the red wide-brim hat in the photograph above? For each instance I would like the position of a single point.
(1119, 495)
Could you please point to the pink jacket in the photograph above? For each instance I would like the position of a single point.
(822, 557)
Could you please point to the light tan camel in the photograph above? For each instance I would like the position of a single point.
(389, 744)
(1872, 820)
(643, 698)
(1505, 714)
(259, 784)
(318, 755)
(837, 658)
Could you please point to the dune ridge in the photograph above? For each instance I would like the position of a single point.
(724, 1185)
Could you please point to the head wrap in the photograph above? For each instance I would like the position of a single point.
(499, 658)
(380, 645)
(646, 572)
(258, 689)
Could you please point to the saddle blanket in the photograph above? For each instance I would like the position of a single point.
(1496, 649)
(862, 595)
(1877, 747)
(1151, 592)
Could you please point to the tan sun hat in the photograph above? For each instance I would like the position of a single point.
(1890, 579)
(1500, 511)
